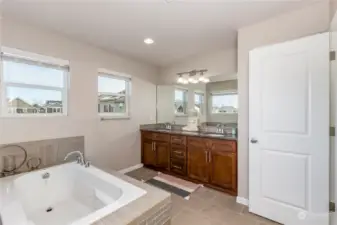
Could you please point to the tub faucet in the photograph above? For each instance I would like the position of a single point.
(80, 159)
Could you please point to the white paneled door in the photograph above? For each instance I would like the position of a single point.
(289, 131)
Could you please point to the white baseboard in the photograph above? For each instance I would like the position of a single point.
(242, 201)
(131, 168)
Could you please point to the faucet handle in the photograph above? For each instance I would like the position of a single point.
(79, 160)
(87, 164)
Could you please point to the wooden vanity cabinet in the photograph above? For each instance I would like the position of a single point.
(197, 159)
(210, 161)
(148, 155)
(178, 154)
(223, 164)
(156, 150)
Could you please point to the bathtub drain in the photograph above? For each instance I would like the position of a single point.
(49, 209)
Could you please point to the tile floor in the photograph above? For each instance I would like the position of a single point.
(206, 207)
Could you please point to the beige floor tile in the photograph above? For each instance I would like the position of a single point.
(206, 207)
(205, 193)
(259, 220)
(178, 204)
(217, 213)
(229, 202)
(186, 217)
(196, 204)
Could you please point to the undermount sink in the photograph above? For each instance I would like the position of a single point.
(215, 135)
(163, 130)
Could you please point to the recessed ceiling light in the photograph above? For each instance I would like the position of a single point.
(148, 41)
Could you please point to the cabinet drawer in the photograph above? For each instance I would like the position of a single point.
(178, 166)
(178, 153)
(223, 145)
(156, 136)
(178, 140)
(161, 137)
(198, 142)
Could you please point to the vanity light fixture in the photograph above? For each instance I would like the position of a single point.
(180, 79)
(192, 77)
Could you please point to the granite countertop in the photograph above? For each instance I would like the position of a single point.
(192, 133)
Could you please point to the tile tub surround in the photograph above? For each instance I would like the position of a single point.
(50, 151)
(154, 208)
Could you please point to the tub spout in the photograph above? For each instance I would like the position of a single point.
(80, 158)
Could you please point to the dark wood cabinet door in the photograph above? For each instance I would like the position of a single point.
(223, 170)
(149, 155)
(163, 154)
(197, 166)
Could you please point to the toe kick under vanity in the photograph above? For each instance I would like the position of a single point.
(208, 159)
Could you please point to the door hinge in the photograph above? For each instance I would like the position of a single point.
(332, 207)
(332, 55)
(332, 131)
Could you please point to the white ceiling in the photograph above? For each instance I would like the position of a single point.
(181, 28)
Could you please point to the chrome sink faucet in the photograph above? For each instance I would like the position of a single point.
(80, 158)
(168, 126)
(220, 128)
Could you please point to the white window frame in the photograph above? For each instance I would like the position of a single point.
(225, 92)
(35, 59)
(202, 109)
(174, 99)
(128, 80)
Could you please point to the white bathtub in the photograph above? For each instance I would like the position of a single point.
(76, 196)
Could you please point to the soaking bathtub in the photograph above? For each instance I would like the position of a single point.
(68, 194)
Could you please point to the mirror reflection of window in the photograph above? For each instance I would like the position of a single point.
(180, 101)
(224, 102)
(199, 102)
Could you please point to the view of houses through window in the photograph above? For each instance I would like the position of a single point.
(199, 101)
(32, 87)
(113, 92)
(224, 102)
(180, 101)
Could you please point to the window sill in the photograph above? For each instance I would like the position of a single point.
(33, 115)
(121, 117)
(233, 113)
(181, 115)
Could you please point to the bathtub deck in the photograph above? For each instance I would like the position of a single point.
(153, 208)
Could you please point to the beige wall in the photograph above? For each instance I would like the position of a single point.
(304, 22)
(229, 85)
(218, 63)
(114, 143)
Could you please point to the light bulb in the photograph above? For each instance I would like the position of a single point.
(201, 78)
(191, 79)
(185, 81)
(180, 80)
(206, 80)
(195, 81)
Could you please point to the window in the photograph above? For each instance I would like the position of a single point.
(113, 94)
(224, 102)
(33, 84)
(180, 101)
(199, 102)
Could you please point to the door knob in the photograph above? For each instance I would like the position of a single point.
(253, 141)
